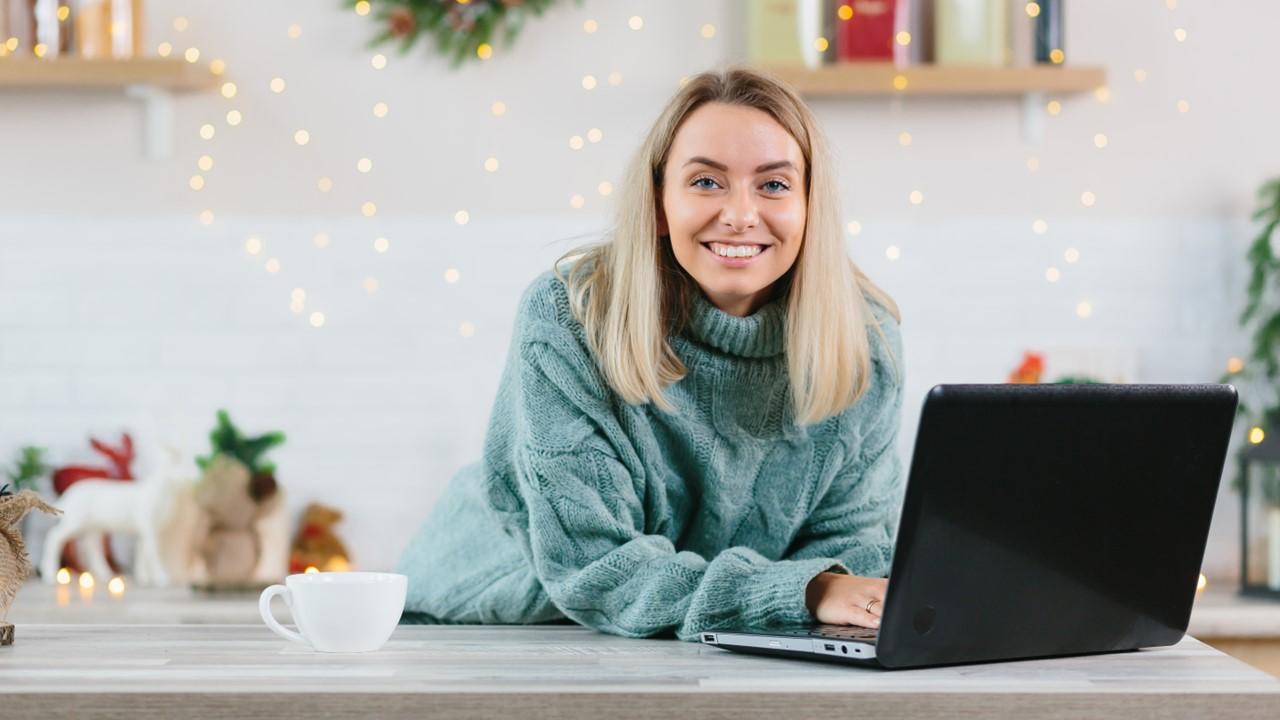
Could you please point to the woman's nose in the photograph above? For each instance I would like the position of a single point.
(739, 211)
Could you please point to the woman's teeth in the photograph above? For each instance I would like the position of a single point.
(735, 250)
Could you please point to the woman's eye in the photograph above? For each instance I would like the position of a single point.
(773, 186)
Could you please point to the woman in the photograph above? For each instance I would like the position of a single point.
(695, 428)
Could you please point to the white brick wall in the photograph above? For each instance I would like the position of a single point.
(108, 285)
(387, 400)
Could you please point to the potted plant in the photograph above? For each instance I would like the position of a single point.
(1257, 376)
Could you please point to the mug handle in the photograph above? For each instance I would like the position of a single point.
(264, 607)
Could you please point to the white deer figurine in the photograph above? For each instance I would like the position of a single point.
(139, 508)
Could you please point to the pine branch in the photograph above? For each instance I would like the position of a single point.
(479, 22)
(1258, 404)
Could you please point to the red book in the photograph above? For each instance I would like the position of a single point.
(868, 35)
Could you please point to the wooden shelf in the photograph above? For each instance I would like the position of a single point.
(857, 78)
(172, 74)
(153, 81)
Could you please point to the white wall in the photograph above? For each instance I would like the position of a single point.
(109, 284)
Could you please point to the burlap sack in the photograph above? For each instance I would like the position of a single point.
(14, 565)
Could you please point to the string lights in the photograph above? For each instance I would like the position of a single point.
(230, 90)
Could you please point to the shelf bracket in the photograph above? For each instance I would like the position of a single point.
(157, 119)
(1033, 104)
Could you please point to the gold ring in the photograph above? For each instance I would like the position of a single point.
(873, 602)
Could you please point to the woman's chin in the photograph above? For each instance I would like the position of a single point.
(724, 294)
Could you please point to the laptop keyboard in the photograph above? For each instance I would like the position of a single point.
(844, 632)
(836, 632)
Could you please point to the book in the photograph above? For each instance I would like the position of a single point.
(970, 32)
(18, 20)
(773, 33)
(1049, 47)
(902, 24)
(917, 18)
(816, 19)
(869, 33)
(830, 30)
(1022, 32)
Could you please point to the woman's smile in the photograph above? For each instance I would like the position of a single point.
(736, 254)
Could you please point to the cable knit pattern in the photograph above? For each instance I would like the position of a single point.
(638, 522)
(758, 335)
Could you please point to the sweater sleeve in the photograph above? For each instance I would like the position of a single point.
(856, 519)
(579, 515)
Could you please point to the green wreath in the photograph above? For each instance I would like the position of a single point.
(460, 27)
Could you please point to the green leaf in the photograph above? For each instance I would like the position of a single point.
(1265, 341)
(226, 439)
(28, 469)
(1261, 318)
(431, 18)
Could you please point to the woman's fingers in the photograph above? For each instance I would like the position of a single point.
(870, 604)
(874, 606)
(866, 621)
(854, 600)
(864, 617)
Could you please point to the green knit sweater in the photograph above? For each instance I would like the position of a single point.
(638, 522)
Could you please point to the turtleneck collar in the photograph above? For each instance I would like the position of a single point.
(761, 334)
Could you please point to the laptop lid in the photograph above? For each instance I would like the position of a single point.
(1045, 520)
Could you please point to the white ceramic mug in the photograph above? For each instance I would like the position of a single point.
(339, 611)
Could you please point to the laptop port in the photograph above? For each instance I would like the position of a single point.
(829, 647)
(845, 649)
(708, 638)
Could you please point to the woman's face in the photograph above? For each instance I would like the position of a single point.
(733, 202)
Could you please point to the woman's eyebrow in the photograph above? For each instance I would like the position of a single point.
(725, 168)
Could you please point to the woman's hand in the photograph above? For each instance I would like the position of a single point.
(839, 599)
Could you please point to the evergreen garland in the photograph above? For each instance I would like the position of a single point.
(1257, 377)
(460, 27)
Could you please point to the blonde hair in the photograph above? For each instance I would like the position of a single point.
(630, 294)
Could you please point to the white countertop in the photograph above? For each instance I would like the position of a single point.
(569, 671)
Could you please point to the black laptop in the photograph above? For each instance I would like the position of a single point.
(1039, 521)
